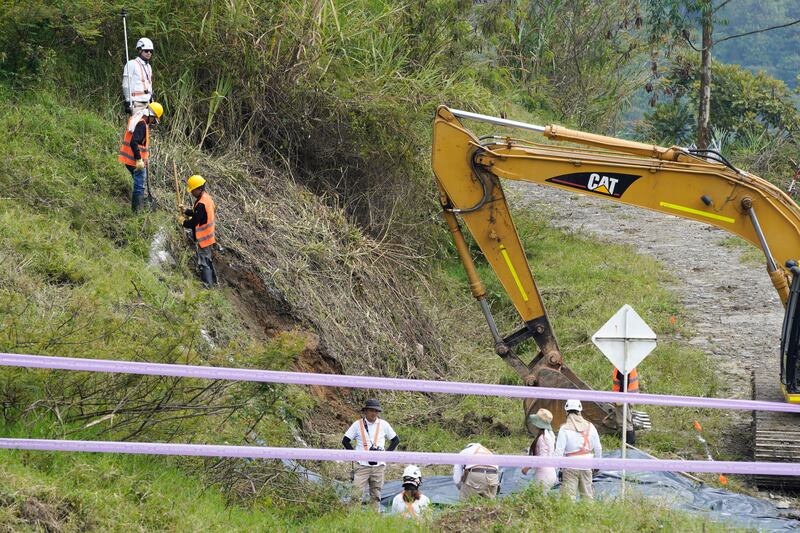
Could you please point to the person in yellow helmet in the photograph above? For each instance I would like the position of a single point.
(201, 220)
(135, 149)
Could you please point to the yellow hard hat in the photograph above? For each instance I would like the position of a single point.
(194, 182)
(157, 109)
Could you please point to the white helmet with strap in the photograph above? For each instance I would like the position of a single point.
(144, 44)
(573, 405)
(412, 474)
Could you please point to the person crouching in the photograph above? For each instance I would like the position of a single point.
(411, 503)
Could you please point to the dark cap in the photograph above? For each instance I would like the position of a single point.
(372, 403)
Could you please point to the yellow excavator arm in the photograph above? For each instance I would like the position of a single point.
(701, 186)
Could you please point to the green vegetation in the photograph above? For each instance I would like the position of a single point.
(747, 252)
(775, 52)
(311, 121)
(535, 511)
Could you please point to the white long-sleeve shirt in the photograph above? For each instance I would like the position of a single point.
(473, 448)
(137, 76)
(410, 510)
(571, 441)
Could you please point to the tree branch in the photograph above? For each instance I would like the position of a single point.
(758, 31)
(723, 4)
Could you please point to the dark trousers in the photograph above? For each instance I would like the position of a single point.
(205, 267)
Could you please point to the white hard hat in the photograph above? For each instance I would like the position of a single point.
(144, 44)
(573, 405)
(412, 471)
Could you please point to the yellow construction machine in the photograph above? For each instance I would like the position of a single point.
(699, 185)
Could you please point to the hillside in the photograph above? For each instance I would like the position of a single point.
(312, 125)
(775, 52)
(92, 293)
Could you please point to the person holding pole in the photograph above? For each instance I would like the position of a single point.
(137, 77)
(134, 151)
(577, 438)
(618, 385)
(201, 219)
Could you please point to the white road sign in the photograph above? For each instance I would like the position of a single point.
(625, 339)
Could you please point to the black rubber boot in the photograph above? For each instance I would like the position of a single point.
(137, 202)
(208, 276)
(630, 437)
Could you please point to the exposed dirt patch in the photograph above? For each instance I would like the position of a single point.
(264, 311)
(266, 314)
(732, 307)
(42, 515)
(474, 424)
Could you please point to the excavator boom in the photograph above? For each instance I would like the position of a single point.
(701, 186)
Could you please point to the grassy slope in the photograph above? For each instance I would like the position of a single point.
(77, 284)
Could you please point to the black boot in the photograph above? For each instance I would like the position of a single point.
(207, 275)
(630, 437)
(137, 202)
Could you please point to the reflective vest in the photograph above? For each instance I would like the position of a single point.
(409, 511)
(586, 447)
(125, 150)
(480, 450)
(633, 381)
(139, 80)
(204, 234)
(364, 440)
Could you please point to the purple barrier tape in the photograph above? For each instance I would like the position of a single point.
(368, 382)
(316, 454)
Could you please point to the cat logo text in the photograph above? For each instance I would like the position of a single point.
(607, 184)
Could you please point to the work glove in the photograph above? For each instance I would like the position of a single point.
(188, 212)
(127, 107)
(139, 164)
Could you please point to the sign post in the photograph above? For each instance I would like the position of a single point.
(625, 340)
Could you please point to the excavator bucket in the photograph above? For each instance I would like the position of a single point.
(601, 414)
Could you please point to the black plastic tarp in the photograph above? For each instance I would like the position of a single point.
(675, 490)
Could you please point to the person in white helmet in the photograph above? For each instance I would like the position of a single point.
(411, 503)
(577, 438)
(137, 78)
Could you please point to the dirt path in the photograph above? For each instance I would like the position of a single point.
(734, 313)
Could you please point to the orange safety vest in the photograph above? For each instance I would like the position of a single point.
(409, 512)
(586, 447)
(125, 150)
(204, 234)
(633, 381)
(364, 439)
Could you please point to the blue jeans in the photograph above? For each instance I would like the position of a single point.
(139, 176)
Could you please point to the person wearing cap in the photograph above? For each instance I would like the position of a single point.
(201, 219)
(370, 433)
(411, 503)
(543, 445)
(135, 149)
(478, 478)
(577, 438)
(137, 78)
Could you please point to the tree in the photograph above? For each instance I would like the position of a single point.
(674, 20)
(571, 58)
(744, 103)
